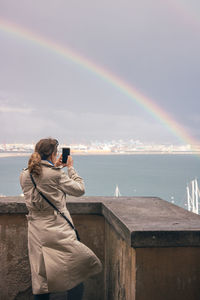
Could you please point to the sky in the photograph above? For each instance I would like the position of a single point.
(152, 45)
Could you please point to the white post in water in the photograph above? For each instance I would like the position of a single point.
(117, 192)
(193, 197)
(196, 197)
(188, 198)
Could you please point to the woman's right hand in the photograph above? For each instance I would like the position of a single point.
(68, 164)
(69, 161)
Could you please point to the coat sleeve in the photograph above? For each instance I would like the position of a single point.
(72, 184)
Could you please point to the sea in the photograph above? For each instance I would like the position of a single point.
(164, 176)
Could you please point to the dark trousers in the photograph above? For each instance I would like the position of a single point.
(74, 294)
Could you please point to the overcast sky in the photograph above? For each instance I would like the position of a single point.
(153, 45)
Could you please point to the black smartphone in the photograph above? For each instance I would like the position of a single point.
(65, 154)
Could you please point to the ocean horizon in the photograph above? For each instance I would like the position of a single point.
(165, 176)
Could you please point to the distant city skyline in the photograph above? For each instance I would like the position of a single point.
(151, 46)
(109, 147)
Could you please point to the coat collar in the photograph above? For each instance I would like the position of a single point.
(48, 164)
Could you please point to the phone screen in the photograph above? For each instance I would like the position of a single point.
(65, 154)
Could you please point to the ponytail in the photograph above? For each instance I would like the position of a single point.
(43, 149)
(34, 165)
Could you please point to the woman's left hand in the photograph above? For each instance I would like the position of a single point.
(59, 162)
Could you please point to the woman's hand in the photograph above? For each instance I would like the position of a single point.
(68, 164)
(58, 162)
(70, 161)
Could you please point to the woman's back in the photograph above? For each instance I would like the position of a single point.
(54, 183)
(58, 260)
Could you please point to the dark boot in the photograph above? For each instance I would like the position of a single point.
(41, 297)
(76, 293)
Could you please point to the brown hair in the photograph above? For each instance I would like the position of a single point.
(43, 149)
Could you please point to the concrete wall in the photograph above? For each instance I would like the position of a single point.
(92, 232)
(146, 256)
(15, 277)
(168, 273)
(120, 267)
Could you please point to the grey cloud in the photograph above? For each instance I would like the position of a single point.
(11, 109)
(147, 43)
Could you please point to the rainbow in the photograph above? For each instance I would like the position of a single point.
(146, 103)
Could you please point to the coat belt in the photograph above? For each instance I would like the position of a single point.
(33, 214)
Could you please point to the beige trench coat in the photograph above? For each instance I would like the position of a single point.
(58, 261)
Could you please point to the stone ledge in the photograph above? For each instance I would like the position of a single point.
(141, 221)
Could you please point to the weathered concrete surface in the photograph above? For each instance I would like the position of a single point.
(12, 205)
(147, 246)
(152, 222)
(15, 275)
(92, 233)
(119, 267)
(168, 273)
(141, 221)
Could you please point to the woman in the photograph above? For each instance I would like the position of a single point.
(59, 262)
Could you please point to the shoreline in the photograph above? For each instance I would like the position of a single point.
(25, 154)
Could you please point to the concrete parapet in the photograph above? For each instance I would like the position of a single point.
(150, 248)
